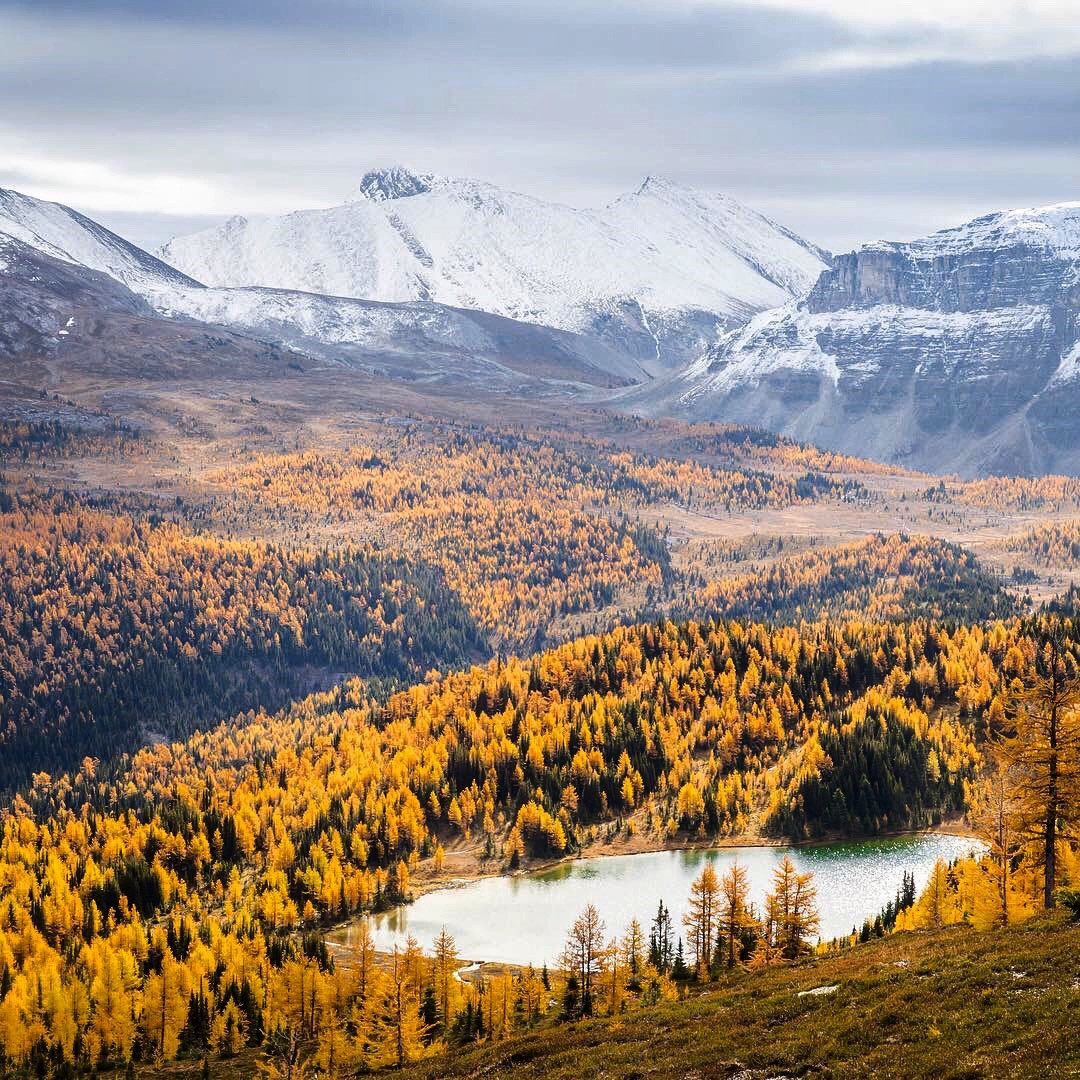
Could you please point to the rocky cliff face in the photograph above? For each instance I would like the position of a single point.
(960, 351)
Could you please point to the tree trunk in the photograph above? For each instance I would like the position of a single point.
(1050, 839)
(163, 988)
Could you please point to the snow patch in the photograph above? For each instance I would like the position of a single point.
(1069, 368)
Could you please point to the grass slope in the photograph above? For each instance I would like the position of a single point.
(955, 1003)
(946, 1005)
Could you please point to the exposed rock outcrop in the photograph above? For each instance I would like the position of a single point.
(957, 352)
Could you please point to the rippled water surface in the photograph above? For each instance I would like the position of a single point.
(524, 919)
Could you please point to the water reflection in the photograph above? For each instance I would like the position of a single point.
(523, 919)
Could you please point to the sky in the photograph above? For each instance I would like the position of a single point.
(846, 120)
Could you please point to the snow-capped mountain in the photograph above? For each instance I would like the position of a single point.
(956, 352)
(58, 265)
(63, 233)
(959, 351)
(412, 341)
(655, 274)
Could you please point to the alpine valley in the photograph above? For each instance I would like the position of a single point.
(457, 633)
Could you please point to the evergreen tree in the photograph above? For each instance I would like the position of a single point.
(660, 939)
(429, 1009)
(679, 971)
(443, 968)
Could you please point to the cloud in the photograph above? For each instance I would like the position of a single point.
(912, 112)
(96, 184)
(963, 31)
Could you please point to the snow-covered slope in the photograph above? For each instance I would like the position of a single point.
(412, 341)
(68, 330)
(956, 351)
(1053, 229)
(654, 274)
(50, 256)
(63, 233)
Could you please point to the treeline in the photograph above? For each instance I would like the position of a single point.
(114, 630)
(1010, 492)
(120, 627)
(773, 579)
(33, 440)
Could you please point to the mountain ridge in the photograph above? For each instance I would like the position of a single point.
(958, 351)
(80, 296)
(67, 234)
(655, 273)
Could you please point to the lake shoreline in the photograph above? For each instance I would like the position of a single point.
(600, 849)
(473, 869)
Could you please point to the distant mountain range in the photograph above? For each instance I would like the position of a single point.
(957, 352)
(52, 258)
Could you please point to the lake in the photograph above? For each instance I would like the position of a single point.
(523, 919)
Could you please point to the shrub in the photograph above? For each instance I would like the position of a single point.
(1070, 900)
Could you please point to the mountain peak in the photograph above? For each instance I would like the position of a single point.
(653, 185)
(694, 261)
(395, 182)
(663, 188)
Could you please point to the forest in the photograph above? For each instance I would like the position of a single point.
(113, 629)
(200, 855)
(283, 697)
(526, 530)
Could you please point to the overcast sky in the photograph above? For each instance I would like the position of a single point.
(846, 120)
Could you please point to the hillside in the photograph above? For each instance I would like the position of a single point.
(115, 632)
(944, 1004)
(939, 1005)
